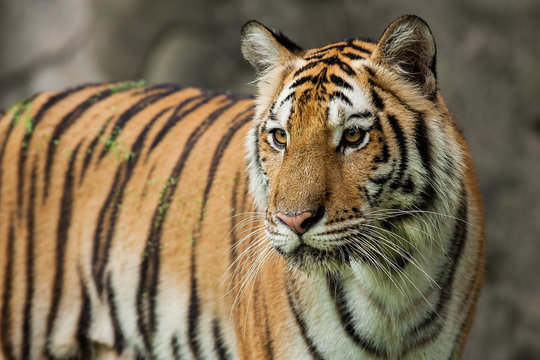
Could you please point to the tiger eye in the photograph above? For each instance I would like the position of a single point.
(352, 135)
(280, 137)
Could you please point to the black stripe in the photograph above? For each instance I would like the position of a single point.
(341, 96)
(431, 325)
(353, 56)
(178, 115)
(402, 146)
(22, 107)
(335, 288)
(360, 47)
(365, 193)
(62, 230)
(7, 345)
(136, 148)
(83, 324)
(423, 144)
(149, 272)
(108, 214)
(306, 67)
(162, 86)
(301, 81)
(64, 125)
(193, 312)
(102, 232)
(371, 72)
(314, 352)
(27, 322)
(382, 179)
(408, 186)
(343, 46)
(339, 81)
(320, 81)
(176, 350)
(376, 100)
(315, 57)
(325, 49)
(385, 154)
(91, 147)
(148, 179)
(130, 114)
(85, 317)
(287, 98)
(53, 100)
(334, 60)
(219, 345)
(119, 341)
(258, 163)
(374, 84)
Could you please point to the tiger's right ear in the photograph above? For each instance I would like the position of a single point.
(266, 49)
(407, 46)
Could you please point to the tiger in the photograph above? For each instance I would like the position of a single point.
(336, 214)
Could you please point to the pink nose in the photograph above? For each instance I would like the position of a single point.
(297, 223)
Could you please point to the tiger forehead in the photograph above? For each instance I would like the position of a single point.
(323, 79)
(352, 49)
(326, 96)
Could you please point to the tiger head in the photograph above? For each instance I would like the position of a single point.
(340, 146)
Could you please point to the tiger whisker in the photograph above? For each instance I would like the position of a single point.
(401, 274)
(256, 242)
(403, 253)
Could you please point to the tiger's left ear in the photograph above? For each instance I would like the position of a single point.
(266, 49)
(407, 46)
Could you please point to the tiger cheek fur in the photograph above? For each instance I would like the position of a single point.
(133, 225)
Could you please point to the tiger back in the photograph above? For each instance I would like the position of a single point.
(336, 215)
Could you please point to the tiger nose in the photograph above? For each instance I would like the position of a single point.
(302, 222)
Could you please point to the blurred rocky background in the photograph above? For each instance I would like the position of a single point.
(489, 72)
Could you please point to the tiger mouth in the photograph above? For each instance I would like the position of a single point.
(308, 258)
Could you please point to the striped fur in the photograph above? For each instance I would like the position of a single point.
(131, 226)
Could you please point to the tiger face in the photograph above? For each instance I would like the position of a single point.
(339, 145)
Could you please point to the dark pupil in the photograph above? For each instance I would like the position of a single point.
(352, 132)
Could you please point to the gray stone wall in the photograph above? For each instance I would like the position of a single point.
(489, 72)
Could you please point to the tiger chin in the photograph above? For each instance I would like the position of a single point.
(335, 215)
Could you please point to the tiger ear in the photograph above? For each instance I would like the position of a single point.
(266, 49)
(407, 46)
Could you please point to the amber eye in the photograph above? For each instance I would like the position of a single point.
(353, 136)
(280, 137)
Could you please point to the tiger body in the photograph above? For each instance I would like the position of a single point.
(132, 227)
